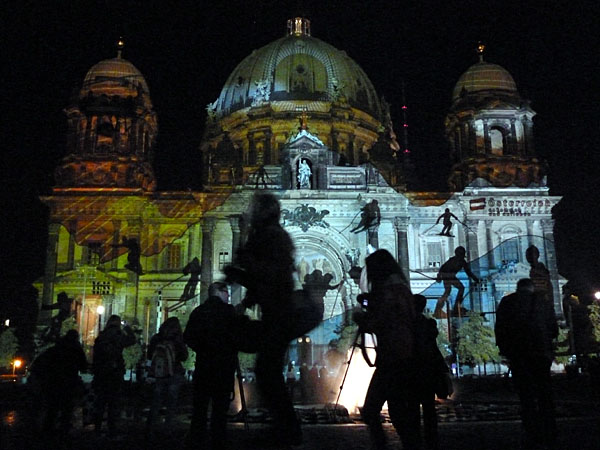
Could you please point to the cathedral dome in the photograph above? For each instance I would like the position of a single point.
(484, 76)
(297, 67)
(116, 77)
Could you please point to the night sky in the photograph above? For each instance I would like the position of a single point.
(186, 50)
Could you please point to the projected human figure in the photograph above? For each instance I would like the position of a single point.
(447, 222)
(304, 174)
(193, 269)
(133, 258)
(447, 275)
(371, 215)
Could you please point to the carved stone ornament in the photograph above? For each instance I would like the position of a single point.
(305, 216)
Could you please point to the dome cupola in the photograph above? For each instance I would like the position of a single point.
(490, 130)
(112, 129)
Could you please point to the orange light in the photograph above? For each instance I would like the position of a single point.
(17, 363)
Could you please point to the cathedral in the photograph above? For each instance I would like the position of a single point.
(300, 119)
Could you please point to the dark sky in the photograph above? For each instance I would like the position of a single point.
(186, 49)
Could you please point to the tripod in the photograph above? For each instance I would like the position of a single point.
(359, 335)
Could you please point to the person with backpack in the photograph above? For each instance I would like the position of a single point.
(109, 369)
(167, 352)
(214, 332)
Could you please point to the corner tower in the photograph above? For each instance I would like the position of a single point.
(490, 130)
(112, 128)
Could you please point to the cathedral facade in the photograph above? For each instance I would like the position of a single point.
(299, 118)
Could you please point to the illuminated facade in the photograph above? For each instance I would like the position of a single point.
(295, 101)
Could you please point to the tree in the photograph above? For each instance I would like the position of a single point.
(8, 348)
(476, 343)
(595, 320)
(132, 356)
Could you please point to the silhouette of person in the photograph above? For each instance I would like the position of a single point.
(56, 371)
(267, 264)
(431, 366)
(539, 274)
(446, 222)
(63, 304)
(109, 368)
(370, 216)
(525, 327)
(391, 317)
(213, 332)
(290, 379)
(166, 389)
(193, 269)
(447, 275)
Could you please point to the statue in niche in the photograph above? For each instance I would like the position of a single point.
(304, 174)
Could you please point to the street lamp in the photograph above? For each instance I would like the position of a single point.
(16, 364)
(597, 295)
(100, 311)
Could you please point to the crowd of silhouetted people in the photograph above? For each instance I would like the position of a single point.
(409, 371)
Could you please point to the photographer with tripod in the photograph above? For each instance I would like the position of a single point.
(388, 313)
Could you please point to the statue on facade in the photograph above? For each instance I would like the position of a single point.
(304, 174)
(262, 93)
(447, 222)
(369, 217)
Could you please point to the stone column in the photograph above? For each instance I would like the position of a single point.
(487, 145)
(50, 269)
(208, 227)
(472, 247)
(71, 250)
(529, 223)
(489, 238)
(551, 264)
(514, 146)
(236, 290)
(401, 227)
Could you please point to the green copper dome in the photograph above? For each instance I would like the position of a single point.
(297, 67)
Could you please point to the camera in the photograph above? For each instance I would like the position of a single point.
(363, 300)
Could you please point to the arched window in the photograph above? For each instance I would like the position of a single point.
(497, 141)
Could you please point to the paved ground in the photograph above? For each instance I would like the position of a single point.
(483, 415)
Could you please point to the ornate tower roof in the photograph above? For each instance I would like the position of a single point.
(112, 129)
(490, 130)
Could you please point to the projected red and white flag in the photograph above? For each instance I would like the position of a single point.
(477, 203)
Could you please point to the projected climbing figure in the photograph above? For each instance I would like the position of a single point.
(370, 216)
(133, 258)
(193, 269)
(447, 275)
(447, 222)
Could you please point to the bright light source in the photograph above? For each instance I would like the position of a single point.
(100, 309)
(17, 363)
(7, 323)
(597, 295)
